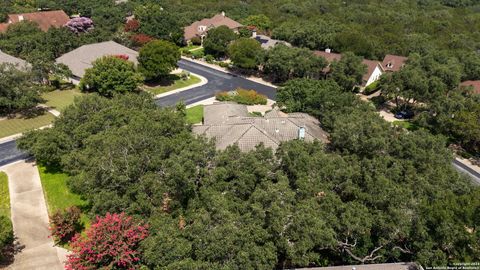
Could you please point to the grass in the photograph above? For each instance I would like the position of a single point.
(406, 125)
(59, 99)
(195, 114)
(174, 84)
(20, 124)
(4, 195)
(57, 193)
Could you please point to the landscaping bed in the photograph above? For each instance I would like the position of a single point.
(242, 96)
(4, 195)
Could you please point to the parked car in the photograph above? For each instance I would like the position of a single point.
(404, 115)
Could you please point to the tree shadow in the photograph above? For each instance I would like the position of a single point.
(163, 81)
(7, 254)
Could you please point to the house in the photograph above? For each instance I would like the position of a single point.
(374, 68)
(44, 19)
(17, 62)
(82, 58)
(380, 266)
(200, 28)
(229, 123)
(392, 63)
(268, 42)
(474, 84)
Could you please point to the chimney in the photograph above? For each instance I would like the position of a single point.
(327, 50)
(301, 133)
(223, 14)
(254, 33)
(20, 18)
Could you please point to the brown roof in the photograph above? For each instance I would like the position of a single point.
(330, 57)
(196, 28)
(393, 62)
(44, 19)
(371, 65)
(229, 124)
(474, 84)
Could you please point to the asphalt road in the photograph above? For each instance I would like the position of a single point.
(217, 81)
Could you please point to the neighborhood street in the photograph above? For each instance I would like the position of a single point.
(217, 81)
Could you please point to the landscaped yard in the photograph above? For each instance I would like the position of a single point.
(174, 84)
(406, 125)
(4, 195)
(59, 99)
(20, 124)
(195, 114)
(57, 194)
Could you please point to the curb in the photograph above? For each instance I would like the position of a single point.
(203, 81)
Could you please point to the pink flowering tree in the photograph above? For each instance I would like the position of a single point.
(110, 243)
(80, 25)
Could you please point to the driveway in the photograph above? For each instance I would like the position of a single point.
(30, 219)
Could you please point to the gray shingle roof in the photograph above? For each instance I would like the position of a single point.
(81, 58)
(229, 124)
(381, 266)
(17, 62)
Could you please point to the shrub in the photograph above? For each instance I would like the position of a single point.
(110, 243)
(197, 54)
(64, 224)
(141, 39)
(209, 58)
(242, 96)
(224, 65)
(80, 25)
(6, 234)
(373, 87)
(132, 25)
(196, 41)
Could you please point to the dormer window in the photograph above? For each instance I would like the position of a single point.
(389, 65)
(202, 28)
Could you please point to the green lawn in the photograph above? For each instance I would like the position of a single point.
(406, 125)
(177, 84)
(4, 195)
(195, 114)
(19, 124)
(57, 193)
(59, 99)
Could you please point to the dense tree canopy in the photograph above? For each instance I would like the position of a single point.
(160, 23)
(110, 75)
(158, 58)
(217, 40)
(246, 53)
(348, 71)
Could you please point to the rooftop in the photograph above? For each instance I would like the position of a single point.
(19, 63)
(44, 19)
(230, 123)
(268, 42)
(81, 58)
(199, 28)
(381, 266)
(474, 84)
(393, 62)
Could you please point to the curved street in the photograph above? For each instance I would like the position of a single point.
(217, 81)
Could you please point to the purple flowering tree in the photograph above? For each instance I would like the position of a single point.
(80, 25)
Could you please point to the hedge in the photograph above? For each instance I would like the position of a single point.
(242, 96)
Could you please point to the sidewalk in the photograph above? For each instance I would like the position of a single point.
(216, 67)
(30, 219)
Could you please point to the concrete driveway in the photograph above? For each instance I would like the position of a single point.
(30, 219)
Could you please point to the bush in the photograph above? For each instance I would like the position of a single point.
(242, 96)
(110, 243)
(197, 54)
(224, 65)
(372, 88)
(6, 234)
(196, 41)
(64, 224)
(209, 58)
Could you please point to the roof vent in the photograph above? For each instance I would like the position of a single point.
(328, 50)
(20, 18)
(223, 14)
(301, 133)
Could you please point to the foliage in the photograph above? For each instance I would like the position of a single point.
(18, 92)
(80, 25)
(245, 53)
(371, 88)
(140, 40)
(132, 25)
(64, 224)
(242, 96)
(110, 75)
(111, 242)
(6, 234)
(217, 40)
(158, 58)
(5, 195)
(260, 22)
(159, 23)
(283, 63)
(348, 71)
(196, 41)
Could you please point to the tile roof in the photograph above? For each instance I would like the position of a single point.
(474, 84)
(17, 62)
(229, 124)
(81, 58)
(195, 29)
(44, 19)
(393, 62)
(380, 266)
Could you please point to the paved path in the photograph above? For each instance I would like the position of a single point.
(30, 219)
